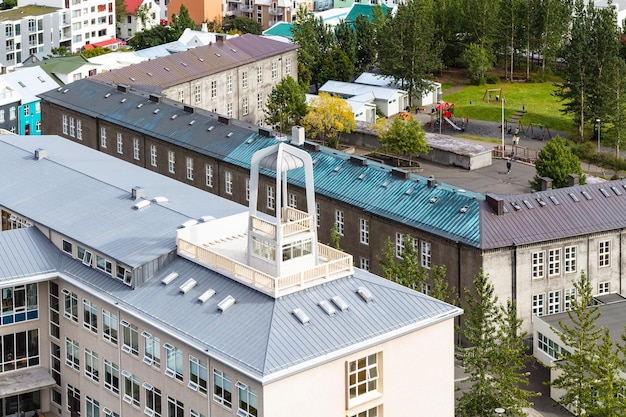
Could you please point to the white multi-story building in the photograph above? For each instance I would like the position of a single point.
(91, 20)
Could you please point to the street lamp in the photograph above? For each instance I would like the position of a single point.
(598, 127)
(502, 125)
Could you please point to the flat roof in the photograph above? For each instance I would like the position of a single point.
(19, 13)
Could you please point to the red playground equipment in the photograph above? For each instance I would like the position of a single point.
(444, 112)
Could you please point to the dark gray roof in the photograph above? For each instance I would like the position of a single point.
(599, 207)
(167, 71)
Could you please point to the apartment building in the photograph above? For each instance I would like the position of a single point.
(232, 77)
(142, 15)
(125, 292)
(32, 30)
(533, 246)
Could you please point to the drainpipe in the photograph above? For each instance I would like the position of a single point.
(620, 260)
(514, 272)
(458, 287)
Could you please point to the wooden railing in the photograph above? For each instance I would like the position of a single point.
(294, 222)
(333, 264)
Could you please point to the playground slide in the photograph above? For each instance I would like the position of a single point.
(452, 124)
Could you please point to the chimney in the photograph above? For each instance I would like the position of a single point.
(297, 136)
(315, 147)
(573, 180)
(223, 119)
(400, 173)
(138, 192)
(204, 28)
(155, 98)
(220, 37)
(188, 109)
(496, 204)
(358, 160)
(122, 88)
(431, 181)
(40, 154)
(265, 132)
(546, 183)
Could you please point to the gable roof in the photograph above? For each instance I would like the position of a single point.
(348, 90)
(61, 65)
(29, 82)
(131, 5)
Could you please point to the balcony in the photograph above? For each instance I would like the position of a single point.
(247, 7)
(276, 11)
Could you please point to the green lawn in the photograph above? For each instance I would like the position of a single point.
(542, 107)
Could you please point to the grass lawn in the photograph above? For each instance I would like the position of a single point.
(542, 107)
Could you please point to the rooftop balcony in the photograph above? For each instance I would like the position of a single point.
(276, 11)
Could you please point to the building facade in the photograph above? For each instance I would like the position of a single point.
(124, 316)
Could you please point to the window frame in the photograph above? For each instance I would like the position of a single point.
(538, 264)
(604, 254)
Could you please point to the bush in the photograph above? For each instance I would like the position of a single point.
(492, 79)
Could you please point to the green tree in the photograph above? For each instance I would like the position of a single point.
(410, 56)
(556, 161)
(180, 22)
(286, 105)
(8, 4)
(335, 236)
(606, 371)
(316, 41)
(120, 10)
(617, 118)
(552, 19)
(581, 337)
(478, 62)
(405, 137)
(365, 44)
(441, 289)
(144, 14)
(481, 21)
(387, 261)
(403, 268)
(158, 35)
(97, 51)
(242, 24)
(481, 318)
(447, 28)
(329, 117)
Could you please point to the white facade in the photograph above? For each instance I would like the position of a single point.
(132, 23)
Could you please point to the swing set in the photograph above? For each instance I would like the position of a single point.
(493, 95)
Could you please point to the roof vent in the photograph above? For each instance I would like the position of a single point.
(167, 69)
(141, 204)
(386, 184)
(160, 199)
(210, 128)
(400, 173)
(297, 136)
(169, 278)
(174, 116)
(156, 111)
(464, 209)
(140, 105)
(433, 200)
(365, 294)
(207, 218)
(340, 303)
(230, 134)
(149, 74)
(66, 90)
(188, 223)
(191, 122)
(362, 176)
(107, 95)
(155, 98)
(122, 88)
(123, 100)
(223, 119)
(301, 315)
(40, 154)
(265, 132)
(327, 307)
(204, 297)
(357, 160)
(184, 64)
(431, 181)
(189, 109)
(133, 79)
(226, 303)
(138, 192)
(188, 285)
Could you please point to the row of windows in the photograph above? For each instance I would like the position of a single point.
(560, 300)
(554, 262)
(75, 129)
(423, 246)
(19, 303)
(548, 346)
(99, 262)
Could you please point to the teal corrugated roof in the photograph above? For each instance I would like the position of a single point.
(358, 9)
(281, 29)
(453, 214)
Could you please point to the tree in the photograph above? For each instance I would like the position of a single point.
(144, 14)
(478, 62)
(346, 42)
(557, 161)
(335, 236)
(157, 35)
(481, 21)
(329, 117)
(447, 28)
(403, 268)
(405, 137)
(440, 289)
(180, 22)
(606, 372)
(617, 118)
(388, 260)
(286, 105)
(365, 44)
(316, 41)
(120, 10)
(581, 337)
(242, 24)
(97, 51)
(8, 4)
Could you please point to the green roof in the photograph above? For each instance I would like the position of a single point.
(358, 9)
(280, 29)
(61, 65)
(19, 13)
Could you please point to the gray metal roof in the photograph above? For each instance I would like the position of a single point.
(85, 194)
(26, 252)
(167, 71)
(567, 219)
(29, 82)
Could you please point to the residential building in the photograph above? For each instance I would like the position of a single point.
(28, 83)
(528, 243)
(141, 15)
(66, 69)
(121, 299)
(428, 97)
(232, 77)
(390, 101)
(91, 20)
(10, 101)
(199, 11)
(189, 39)
(32, 30)
(115, 60)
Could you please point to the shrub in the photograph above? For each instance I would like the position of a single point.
(492, 79)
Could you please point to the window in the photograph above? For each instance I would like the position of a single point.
(174, 362)
(131, 389)
(152, 350)
(55, 325)
(317, 214)
(198, 375)
(424, 254)
(153, 155)
(93, 407)
(197, 93)
(570, 259)
(64, 122)
(120, 143)
(92, 365)
(38, 126)
(604, 287)
(181, 96)
(12, 114)
(244, 106)
(274, 70)
(271, 198)
(175, 408)
(229, 84)
(111, 377)
(364, 227)
(55, 362)
(538, 305)
(67, 247)
(79, 129)
(153, 401)
(104, 264)
(288, 66)
(103, 137)
(247, 401)
(259, 102)
(244, 79)
(372, 412)
(26, 110)
(124, 274)
(229, 110)
(71, 305)
(339, 222)
(554, 262)
(228, 182)
(399, 244)
(222, 388)
(72, 126)
(90, 316)
(538, 264)
(189, 168)
(194, 413)
(548, 346)
(247, 189)
(171, 162)
(213, 89)
(554, 302)
(604, 253)
(72, 354)
(109, 326)
(84, 255)
(364, 264)
(130, 335)
(293, 200)
(569, 296)
(73, 394)
(136, 149)
(259, 74)
(208, 172)
(363, 376)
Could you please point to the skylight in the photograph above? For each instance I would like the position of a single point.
(188, 285)
(586, 194)
(365, 294)
(605, 192)
(204, 297)
(527, 204)
(554, 200)
(516, 206)
(327, 307)
(226, 303)
(340, 303)
(301, 315)
(574, 197)
(169, 278)
(541, 202)
(616, 190)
